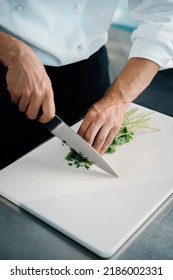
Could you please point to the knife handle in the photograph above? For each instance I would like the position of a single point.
(52, 124)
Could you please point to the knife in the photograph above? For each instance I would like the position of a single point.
(61, 130)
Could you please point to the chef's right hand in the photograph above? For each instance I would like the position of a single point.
(27, 81)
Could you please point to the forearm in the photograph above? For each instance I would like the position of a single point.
(132, 80)
(10, 47)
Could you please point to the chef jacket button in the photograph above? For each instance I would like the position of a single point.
(76, 6)
(19, 7)
(80, 47)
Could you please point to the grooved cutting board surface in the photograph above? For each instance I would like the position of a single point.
(95, 209)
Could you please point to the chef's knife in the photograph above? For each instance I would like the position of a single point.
(61, 130)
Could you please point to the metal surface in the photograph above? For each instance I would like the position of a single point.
(75, 141)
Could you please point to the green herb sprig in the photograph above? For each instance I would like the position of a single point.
(133, 122)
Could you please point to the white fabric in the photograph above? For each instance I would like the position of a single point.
(66, 31)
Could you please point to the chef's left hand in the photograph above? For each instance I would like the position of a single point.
(102, 122)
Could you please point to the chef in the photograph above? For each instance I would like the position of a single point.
(53, 58)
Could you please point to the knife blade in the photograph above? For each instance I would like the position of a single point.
(61, 130)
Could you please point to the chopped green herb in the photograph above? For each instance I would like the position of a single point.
(77, 159)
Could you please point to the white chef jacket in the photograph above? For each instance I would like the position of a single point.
(65, 31)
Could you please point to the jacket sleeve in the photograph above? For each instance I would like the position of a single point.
(153, 38)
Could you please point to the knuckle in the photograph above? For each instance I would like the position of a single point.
(50, 116)
(36, 95)
(113, 131)
(26, 94)
(92, 112)
(12, 91)
(9, 87)
(100, 139)
(101, 114)
(87, 136)
(96, 113)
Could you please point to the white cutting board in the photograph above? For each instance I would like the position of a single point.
(95, 209)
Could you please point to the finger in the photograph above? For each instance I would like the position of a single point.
(91, 133)
(100, 138)
(24, 102)
(48, 109)
(90, 126)
(84, 126)
(33, 107)
(108, 141)
(14, 97)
